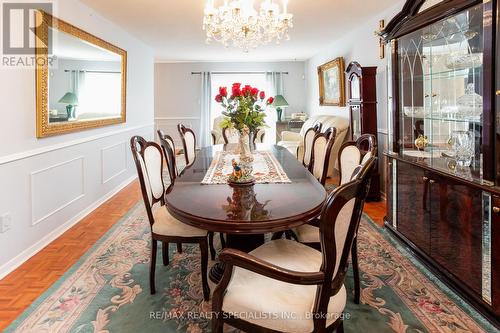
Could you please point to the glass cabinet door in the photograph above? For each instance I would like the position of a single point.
(441, 88)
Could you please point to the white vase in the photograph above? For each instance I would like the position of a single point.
(245, 152)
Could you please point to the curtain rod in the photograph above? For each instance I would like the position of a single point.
(103, 72)
(199, 73)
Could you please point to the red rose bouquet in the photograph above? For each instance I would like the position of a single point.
(244, 107)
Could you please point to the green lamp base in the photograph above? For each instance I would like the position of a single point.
(279, 112)
(70, 111)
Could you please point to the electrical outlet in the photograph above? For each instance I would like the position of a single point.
(5, 222)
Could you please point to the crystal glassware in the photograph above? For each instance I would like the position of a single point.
(463, 147)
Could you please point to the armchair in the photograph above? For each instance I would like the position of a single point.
(287, 286)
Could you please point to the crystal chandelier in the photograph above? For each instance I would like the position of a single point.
(237, 23)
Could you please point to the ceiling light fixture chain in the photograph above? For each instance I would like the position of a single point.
(237, 23)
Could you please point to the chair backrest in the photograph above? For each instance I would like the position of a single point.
(353, 153)
(338, 225)
(148, 159)
(321, 150)
(259, 136)
(168, 146)
(308, 144)
(230, 135)
(188, 142)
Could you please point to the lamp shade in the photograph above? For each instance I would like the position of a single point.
(69, 98)
(280, 101)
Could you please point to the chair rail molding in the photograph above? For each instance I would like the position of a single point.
(39, 151)
(79, 183)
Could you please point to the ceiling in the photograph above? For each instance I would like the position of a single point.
(173, 27)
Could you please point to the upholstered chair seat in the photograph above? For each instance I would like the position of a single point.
(166, 225)
(252, 293)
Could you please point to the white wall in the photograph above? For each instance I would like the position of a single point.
(360, 45)
(177, 91)
(49, 184)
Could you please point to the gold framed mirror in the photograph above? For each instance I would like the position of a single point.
(81, 80)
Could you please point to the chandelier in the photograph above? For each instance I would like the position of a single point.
(237, 23)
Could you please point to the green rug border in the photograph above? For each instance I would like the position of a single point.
(450, 293)
(15, 324)
(481, 320)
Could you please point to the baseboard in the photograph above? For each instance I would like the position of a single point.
(18, 260)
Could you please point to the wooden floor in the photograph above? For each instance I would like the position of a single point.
(20, 288)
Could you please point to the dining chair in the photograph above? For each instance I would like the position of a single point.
(352, 153)
(321, 149)
(287, 286)
(188, 143)
(164, 228)
(166, 141)
(259, 136)
(352, 156)
(230, 135)
(304, 153)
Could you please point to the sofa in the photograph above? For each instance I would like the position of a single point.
(294, 141)
(218, 138)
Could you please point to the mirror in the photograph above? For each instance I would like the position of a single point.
(81, 79)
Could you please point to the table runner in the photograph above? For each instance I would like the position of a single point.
(266, 168)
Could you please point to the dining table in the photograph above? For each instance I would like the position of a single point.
(244, 214)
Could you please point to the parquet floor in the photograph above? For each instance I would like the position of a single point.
(20, 288)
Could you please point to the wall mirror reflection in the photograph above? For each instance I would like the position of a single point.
(83, 84)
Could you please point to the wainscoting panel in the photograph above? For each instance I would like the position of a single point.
(169, 126)
(113, 161)
(56, 187)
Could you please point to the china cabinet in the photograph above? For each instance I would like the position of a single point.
(443, 184)
(362, 90)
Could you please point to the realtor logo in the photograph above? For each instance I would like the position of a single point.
(20, 42)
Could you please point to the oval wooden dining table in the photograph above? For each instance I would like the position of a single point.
(245, 214)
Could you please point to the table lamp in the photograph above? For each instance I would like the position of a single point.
(71, 100)
(280, 103)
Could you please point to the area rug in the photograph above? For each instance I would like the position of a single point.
(266, 168)
(107, 290)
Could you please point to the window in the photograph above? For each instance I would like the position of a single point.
(257, 80)
(100, 95)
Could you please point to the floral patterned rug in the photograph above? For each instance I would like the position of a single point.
(108, 291)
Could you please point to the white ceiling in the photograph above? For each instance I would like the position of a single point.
(173, 27)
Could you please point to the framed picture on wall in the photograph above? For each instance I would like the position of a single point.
(332, 83)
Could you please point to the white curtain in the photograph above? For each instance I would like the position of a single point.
(77, 82)
(205, 109)
(275, 87)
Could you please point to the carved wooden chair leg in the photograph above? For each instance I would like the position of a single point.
(204, 269)
(340, 328)
(179, 247)
(211, 243)
(277, 235)
(152, 267)
(355, 270)
(164, 253)
(289, 234)
(222, 240)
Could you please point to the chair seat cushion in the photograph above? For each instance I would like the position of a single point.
(275, 304)
(166, 225)
(307, 233)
